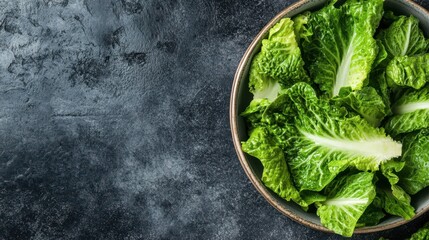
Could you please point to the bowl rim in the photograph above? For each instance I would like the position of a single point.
(237, 144)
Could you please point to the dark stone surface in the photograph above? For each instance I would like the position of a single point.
(114, 122)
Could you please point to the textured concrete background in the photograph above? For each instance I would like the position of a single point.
(114, 122)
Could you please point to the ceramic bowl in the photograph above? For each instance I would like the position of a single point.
(241, 97)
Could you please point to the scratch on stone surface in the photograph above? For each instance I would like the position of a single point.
(77, 18)
(14, 89)
(84, 115)
(85, 3)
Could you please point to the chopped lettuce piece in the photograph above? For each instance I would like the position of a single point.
(403, 38)
(421, 234)
(279, 64)
(347, 201)
(341, 49)
(396, 202)
(408, 71)
(390, 169)
(415, 174)
(367, 102)
(260, 84)
(331, 140)
(380, 60)
(379, 83)
(371, 217)
(411, 112)
(311, 197)
(275, 174)
(282, 56)
(302, 31)
(253, 112)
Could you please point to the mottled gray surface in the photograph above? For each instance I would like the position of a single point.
(114, 122)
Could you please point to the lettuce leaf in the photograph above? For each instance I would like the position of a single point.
(311, 197)
(279, 64)
(330, 139)
(411, 112)
(282, 56)
(379, 83)
(347, 200)
(391, 168)
(260, 84)
(396, 202)
(421, 234)
(371, 217)
(380, 60)
(275, 174)
(253, 112)
(408, 71)
(341, 49)
(415, 174)
(403, 38)
(367, 102)
(302, 31)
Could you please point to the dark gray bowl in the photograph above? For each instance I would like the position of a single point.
(241, 97)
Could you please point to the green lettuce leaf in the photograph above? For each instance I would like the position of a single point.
(380, 61)
(279, 119)
(330, 139)
(403, 37)
(367, 102)
(311, 197)
(407, 71)
(389, 17)
(415, 174)
(391, 168)
(341, 49)
(379, 83)
(421, 234)
(279, 64)
(347, 201)
(371, 217)
(396, 202)
(253, 112)
(275, 174)
(302, 31)
(411, 112)
(260, 84)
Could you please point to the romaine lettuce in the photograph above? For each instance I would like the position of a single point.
(253, 112)
(347, 200)
(411, 112)
(415, 174)
(398, 206)
(367, 102)
(372, 216)
(330, 140)
(275, 174)
(403, 38)
(408, 71)
(279, 64)
(341, 49)
(421, 234)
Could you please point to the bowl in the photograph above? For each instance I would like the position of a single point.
(241, 97)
